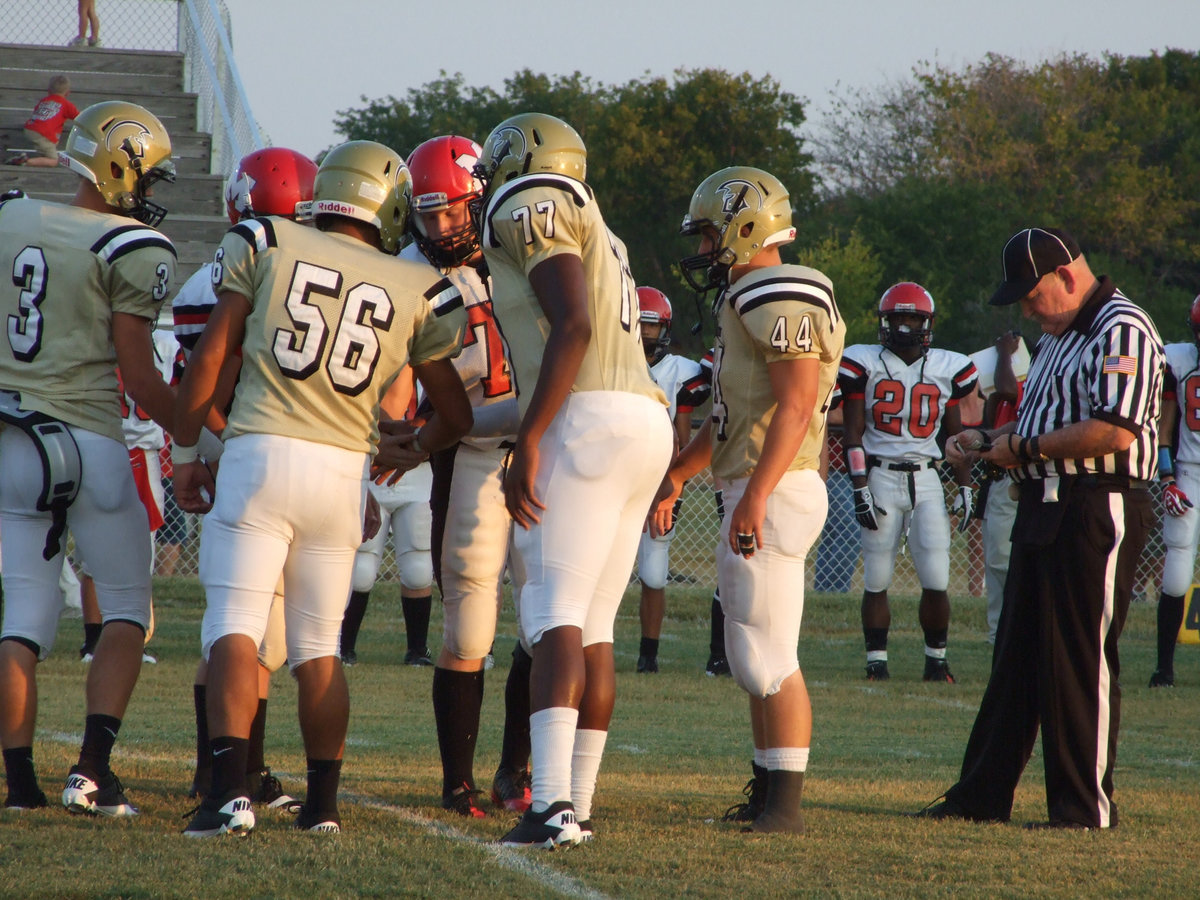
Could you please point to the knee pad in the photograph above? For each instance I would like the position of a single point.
(366, 570)
(1177, 572)
(272, 650)
(751, 663)
(416, 569)
(654, 561)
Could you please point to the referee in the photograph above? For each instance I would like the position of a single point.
(1082, 452)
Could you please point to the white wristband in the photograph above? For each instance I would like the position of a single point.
(181, 456)
(416, 444)
(210, 446)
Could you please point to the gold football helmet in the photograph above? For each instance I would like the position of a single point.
(527, 143)
(122, 149)
(367, 181)
(748, 208)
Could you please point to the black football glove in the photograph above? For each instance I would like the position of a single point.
(865, 509)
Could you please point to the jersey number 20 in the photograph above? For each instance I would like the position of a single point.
(917, 413)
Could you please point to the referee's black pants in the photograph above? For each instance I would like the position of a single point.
(1068, 590)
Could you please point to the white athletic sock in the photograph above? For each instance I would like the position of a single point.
(760, 757)
(935, 652)
(551, 739)
(585, 767)
(786, 759)
(876, 656)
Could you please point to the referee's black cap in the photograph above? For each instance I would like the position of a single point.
(1030, 254)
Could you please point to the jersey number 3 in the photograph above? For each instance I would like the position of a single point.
(355, 353)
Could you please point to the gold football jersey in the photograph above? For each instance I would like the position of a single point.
(332, 322)
(63, 272)
(769, 315)
(531, 219)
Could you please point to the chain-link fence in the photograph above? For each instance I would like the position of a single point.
(834, 564)
(197, 28)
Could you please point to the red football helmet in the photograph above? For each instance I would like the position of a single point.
(274, 181)
(442, 178)
(1194, 319)
(655, 310)
(907, 298)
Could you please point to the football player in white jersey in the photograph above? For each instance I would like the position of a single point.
(325, 322)
(273, 181)
(83, 285)
(779, 339)
(898, 394)
(471, 525)
(594, 435)
(686, 386)
(1181, 486)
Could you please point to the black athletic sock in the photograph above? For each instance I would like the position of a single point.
(99, 735)
(649, 648)
(935, 638)
(19, 773)
(203, 750)
(91, 634)
(876, 639)
(457, 700)
(1170, 617)
(716, 633)
(255, 761)
(323, 778)
(416, 620)
(352, 620)
(228, 765)
(515, 748)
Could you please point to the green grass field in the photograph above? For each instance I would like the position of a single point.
(678, 755)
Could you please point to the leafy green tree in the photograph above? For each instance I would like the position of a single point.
(935, 172)
(650, 142)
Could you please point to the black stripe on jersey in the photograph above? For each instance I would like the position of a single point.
(805, 290)
(964, 381)
(580, 193)
(258, 233)
(14, 194)
(444, 297)
(119, 242)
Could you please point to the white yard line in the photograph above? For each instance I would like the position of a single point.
(523, 862)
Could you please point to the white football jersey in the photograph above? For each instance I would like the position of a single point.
(1183, 382)
(483, 364)
(905, 404)
(684, 382)
(142, 432)
(193, 304)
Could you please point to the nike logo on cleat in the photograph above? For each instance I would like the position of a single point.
(76, 782)
(240, 805)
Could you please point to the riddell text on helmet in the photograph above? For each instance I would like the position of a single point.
(333, 206)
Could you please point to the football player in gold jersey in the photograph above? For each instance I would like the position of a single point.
(325, 321)
(82, 287)
(779, 341)
(594, 435)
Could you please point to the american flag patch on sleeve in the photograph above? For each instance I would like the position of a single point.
(1119, 365)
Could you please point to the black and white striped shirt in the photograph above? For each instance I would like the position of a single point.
(1107, 365)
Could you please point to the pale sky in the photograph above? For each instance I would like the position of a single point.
(303, 60)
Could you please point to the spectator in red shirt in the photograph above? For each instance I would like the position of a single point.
(45, 125)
